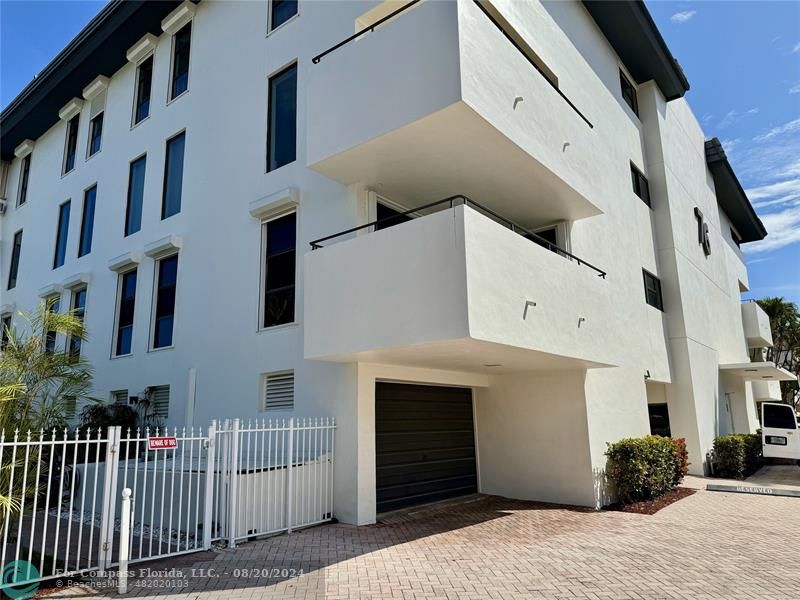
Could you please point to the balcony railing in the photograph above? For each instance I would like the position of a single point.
(450, 202)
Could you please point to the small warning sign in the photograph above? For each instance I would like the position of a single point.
(162, 443)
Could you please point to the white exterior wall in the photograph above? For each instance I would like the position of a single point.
(555, 424)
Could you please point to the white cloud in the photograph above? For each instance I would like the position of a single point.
(779, 130)
(783, 228)
(795, 89)
(729, 119)
(789, 189)
(684, 16)
(753, 111)
(729, 145)
(796, 47)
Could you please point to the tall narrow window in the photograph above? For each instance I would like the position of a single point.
(166, 283)
(640, 186)
(5, 326)
(144, 80)
(53, 306)
(282, 136)
(180, 61)
(629, 93)
(95, 134)
(87, 221)
(61, 235)
(133, 213)
(281, 11)
(24, 175)
(71, 145)
(279, 270)
(78, 306)
(173, 176)
(125, 308)
(652, 290)
(13, 268)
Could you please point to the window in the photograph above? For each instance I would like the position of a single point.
(53, 304)
(24, 175)
(78, 306)
(61, 234)
(388, 217)
(282, 134)
(659, 419)
(640, 186)
(5, 326)
(279, 270)
(546, 238)
(72, 144)
(166, 283)
(126, 303)
(95, 134)
(778, 416)
(180, 61)
(87, 221)
(119, 397)
(159, 400)
(13, 269)
(652, 290)
(144, 80)
(133, 213)
(280, 12)
(173, 176)
(278, 391)
(629, 93)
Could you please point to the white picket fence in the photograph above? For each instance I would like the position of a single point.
(229, 482)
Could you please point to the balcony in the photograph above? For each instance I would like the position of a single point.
(454, 289)
(437, 100)
(757, 329)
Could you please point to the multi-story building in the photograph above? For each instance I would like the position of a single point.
(569, 272)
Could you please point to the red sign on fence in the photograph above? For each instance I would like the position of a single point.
(162, 443)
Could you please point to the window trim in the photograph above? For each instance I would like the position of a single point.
(68, 201)
(171, 74)
(262, 285)
(83, 220)
(52, 298)
(164, 172)
(623, 78)
(77, 119)
(72, 295)
(24, 176)
(134, 122)
(118, 306)
(154, 301)
(89, 153)
(11, 267)
(660, 290)
(294, 63)
(6, 321)
(128, 194)
(637, 171)
(270, 28)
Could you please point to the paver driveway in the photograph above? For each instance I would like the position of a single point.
(709, 545)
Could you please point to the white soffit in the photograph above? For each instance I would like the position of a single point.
(76, 281)
(70, 109)
(758, 371)
(97, 87)
(164, 246)
(24, 149)
(125, 261)
(271, 205)
(141, 48)
(179, 17)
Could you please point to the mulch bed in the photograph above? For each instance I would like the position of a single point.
(651, 507)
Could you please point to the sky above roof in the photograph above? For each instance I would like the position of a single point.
(742, 60)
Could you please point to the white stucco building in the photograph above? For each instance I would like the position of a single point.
(168, 172)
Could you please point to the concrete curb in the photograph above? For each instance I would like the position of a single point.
(752, 489)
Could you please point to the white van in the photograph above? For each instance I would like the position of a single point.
(780, 435)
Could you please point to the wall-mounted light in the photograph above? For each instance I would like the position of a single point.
(647, 375)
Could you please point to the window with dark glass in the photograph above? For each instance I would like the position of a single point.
(95, 134)
(282, 135)
(61, 235)
(87, 221)
(53, 306)
(133, 212)
(167, 274)
(144, 80)
(640, 186)
(72, 144)
(652, 290)
(629, 93)
(546, 238)
(281, 11)
(659, 420)
(78, 306)
(779, 416)
(24, 175)
(13, 268)
(279, 270)
(173, 176)
(388, 217)
(5, 326)
(180, 61)
(125, 308)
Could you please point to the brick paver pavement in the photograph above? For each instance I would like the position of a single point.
(709, 545)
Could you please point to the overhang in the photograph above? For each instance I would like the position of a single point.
(632, 32)
(99, 49)
(758, 371)
(731, 196)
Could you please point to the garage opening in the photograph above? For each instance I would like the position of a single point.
(424, 444)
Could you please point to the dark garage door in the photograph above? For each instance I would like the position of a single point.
(424, 444)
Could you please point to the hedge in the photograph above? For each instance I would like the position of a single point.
(737, 455)
(646, 468)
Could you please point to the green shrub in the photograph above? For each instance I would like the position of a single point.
(681, 455)
(737, 455)
(643, 468)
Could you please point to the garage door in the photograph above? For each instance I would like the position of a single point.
(424, 444)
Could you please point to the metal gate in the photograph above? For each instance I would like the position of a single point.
(188, 489)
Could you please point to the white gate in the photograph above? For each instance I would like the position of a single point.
(189, 488)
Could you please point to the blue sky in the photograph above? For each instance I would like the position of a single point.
(742, 60)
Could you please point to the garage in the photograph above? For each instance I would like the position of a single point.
(424, 444)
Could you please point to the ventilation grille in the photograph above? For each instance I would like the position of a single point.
(279, 391)
(160, 400)
(119, 396)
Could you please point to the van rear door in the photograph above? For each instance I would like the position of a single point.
(779, 433)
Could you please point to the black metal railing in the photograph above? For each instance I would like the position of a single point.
(451, 202)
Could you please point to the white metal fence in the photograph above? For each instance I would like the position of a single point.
(189, 488)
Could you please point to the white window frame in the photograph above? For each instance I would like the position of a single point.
(115, 332)
(22, 161)
(270, 28)
(154, 301)
(262, 286)
(102, 111)
(47, 299)
(64, 173)
(190, 22)
(134, 123)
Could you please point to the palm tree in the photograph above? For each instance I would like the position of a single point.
(784, 318)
